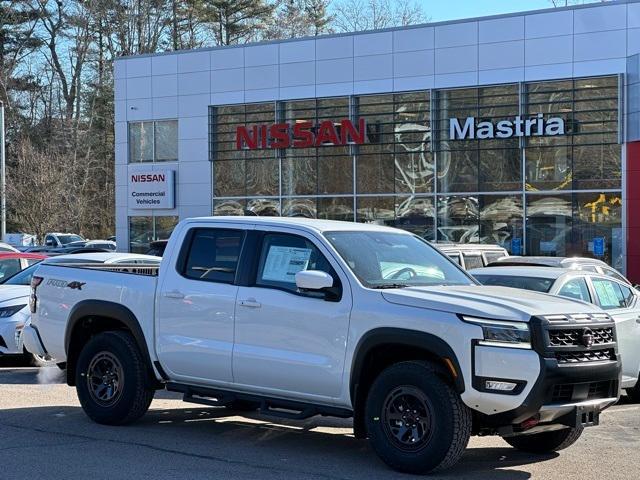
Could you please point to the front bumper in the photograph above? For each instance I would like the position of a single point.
(9, 340)
(567, 393)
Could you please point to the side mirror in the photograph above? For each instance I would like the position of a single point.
(313, 280)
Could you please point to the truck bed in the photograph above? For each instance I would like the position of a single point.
(63, 287)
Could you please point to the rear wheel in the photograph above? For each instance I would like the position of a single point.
(546, 442)
(111, 379)
(416, 422)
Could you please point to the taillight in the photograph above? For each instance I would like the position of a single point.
(33, 299)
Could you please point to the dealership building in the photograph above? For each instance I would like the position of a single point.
(521, 130)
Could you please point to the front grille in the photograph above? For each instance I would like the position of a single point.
(586, 356)
(573, 337)
(577, 392)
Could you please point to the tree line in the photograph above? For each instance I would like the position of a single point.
(56, 81)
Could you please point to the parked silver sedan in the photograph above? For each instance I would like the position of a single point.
(614, 296)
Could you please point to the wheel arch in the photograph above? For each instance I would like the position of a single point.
(90, 317)
(381, 347)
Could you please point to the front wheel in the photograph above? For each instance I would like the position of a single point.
(546, 442)
(111, 379)
(416, 422)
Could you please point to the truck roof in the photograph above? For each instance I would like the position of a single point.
(310, 224)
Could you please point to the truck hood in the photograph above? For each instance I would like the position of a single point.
(500, 303)
(13, 292)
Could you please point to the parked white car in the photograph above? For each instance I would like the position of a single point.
(615, 296)
(14, 296)
(303, 317)
(58, 240)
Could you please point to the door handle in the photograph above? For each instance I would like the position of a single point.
(174, 294)
(250, 303)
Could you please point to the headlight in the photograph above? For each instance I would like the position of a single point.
(9, 311)
(500, 333)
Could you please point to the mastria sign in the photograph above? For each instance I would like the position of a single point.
(518, 127)
(300, 134)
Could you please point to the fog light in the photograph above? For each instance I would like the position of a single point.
(500, 386)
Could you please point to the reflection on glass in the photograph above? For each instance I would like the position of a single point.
(144, 230)
(299, 207)
(378, 210)
(599, 215)
(262, 177)
(336, 208)
(229, 178)
(229, 207)
(166, 138)
(549, 222)
(263, 207)
(299, 175)
(140, 142)
(416, 214)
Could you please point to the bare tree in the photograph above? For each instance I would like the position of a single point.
(358, 15)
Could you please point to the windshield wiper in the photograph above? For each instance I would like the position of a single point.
(389, 285)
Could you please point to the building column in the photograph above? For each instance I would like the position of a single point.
(633, 211)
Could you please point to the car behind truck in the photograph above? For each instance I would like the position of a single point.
(304, 317)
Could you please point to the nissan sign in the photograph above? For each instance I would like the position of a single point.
(151, 189)
(301, 134)
(536, 126)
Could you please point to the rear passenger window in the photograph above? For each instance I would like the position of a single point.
(283, 255)
(576, 289)
(609, 294)
(213, 255)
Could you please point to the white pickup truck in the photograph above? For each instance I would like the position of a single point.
(304, 317)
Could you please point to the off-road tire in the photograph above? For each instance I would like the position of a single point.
(450, 419)
(136, 393)
(546, 442)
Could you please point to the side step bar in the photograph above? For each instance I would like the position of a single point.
(274, 407)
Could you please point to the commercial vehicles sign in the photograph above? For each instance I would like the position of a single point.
(301, 134)
(534, 126)
(151, 189)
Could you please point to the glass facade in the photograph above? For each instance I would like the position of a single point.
(538, 194)
(144, 230)
(153, 141)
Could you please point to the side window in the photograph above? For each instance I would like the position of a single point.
(213, 255)
(283, 255)
(609, 294)
(576, 289)
(627, 294)
(9, 267)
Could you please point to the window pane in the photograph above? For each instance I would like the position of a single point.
(378, 210)
(140, 142)
(608, 293)
(140, 234)
(335, 171)
(164, 227)
(166, 138)
(549, 221)
(299, 207)
(299, 175)
(576, 289)
(417, 215)
(263, 207)
(458, 171)
(283, 256)
(263, 176)
(336, 208)
(375, 173)
(229, 178)
(229, 207)
(549, 168)
(458, 220)
(213, 255)
(501, 221)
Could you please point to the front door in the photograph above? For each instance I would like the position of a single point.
(291, 343)
(195, 307)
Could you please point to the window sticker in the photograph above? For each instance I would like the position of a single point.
(283, 263)
(607, 294)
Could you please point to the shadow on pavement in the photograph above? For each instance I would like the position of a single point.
(297, 448)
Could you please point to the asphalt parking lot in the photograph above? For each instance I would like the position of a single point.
(43, 432)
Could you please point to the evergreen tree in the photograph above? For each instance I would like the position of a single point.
(318, 16)
(235, 21)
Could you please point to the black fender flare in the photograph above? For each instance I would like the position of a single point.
(116, 311)
(402, 336)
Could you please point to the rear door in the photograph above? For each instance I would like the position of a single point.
(291, 343)
(195, 305)
(622, 304)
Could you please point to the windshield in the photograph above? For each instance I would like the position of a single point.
(65, 239)
(536, 284)
(392, 260)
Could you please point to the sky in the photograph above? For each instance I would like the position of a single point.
(442, 10)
